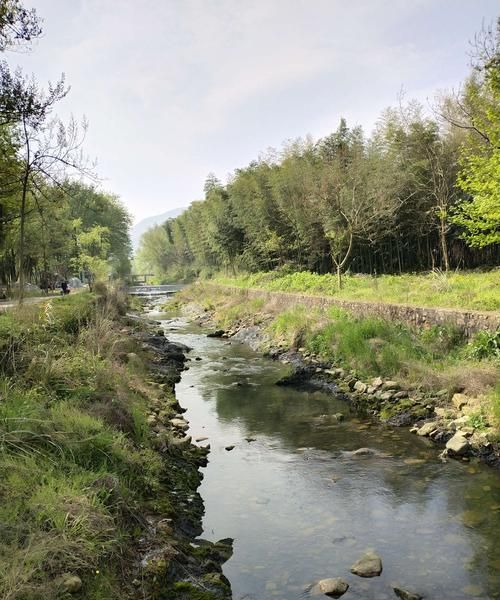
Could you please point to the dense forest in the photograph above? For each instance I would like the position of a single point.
(54, 220)
(421, 192)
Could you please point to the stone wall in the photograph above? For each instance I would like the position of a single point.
(469, 321)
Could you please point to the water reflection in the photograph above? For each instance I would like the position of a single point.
(301, 506)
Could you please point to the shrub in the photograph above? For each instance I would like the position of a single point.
(485, 344)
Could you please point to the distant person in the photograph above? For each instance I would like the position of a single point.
(64, 287)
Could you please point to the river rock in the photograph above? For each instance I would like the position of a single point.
(377, 382)
(216, 334)
(459, 400)
(179, 424)
(229, 448)
(151, 420)
(333, 587)
(390, 385)
(361, 387)
(71, 584)
(388, 395)
(427, 428)
(363, 452)
(337, 373)
(406, 595)
(460, 422)
(457, 445)
(369, 565)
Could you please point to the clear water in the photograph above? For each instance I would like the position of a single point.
(301, 508)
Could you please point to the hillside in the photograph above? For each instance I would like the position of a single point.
(142, 226)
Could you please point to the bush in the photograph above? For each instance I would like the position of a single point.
(485, 344)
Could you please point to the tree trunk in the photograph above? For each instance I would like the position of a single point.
(444, 245)
(21, 238)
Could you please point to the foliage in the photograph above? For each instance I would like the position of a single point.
(45, 219)
(479, 215)
(486, 344)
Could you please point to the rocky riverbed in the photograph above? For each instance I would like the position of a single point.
(442, 416)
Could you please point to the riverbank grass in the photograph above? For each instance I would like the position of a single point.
(465, 290)
(76, 465)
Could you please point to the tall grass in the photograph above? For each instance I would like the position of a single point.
(76, 458)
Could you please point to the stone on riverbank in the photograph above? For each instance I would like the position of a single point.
(457, 445)
(333, 587)
(179, 424)
(216, 334)
(459, 400)
(369, 565)
(427, 428)
(361, 387)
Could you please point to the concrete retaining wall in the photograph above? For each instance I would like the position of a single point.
(469, 321)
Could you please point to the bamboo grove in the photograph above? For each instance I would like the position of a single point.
(422, 192)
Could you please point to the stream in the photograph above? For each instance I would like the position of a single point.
(301, 507)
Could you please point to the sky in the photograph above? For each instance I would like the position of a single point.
(176, 89)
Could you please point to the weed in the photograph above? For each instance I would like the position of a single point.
(485, 344)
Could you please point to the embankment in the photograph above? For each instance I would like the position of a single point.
(468, 321)
(431, 378)
(98, 477)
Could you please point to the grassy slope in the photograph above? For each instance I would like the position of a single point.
(430, 360)
(476, 291)
(78, 466)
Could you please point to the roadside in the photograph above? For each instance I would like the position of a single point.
(13, 303)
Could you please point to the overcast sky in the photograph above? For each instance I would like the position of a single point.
(175, 89)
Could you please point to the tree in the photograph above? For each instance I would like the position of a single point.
(477, 110)
(18, 25)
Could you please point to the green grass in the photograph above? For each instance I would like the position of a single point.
(467, 290)
(371, 346)
(76, 458)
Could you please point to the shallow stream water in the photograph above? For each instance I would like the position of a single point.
(301, 507)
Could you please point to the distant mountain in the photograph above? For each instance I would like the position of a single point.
(141, 227)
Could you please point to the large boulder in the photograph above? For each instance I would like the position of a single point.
(369, 565)
(333, 587)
